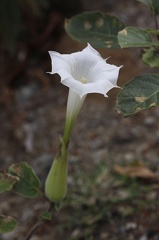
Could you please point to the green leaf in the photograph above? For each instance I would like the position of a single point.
(7, 181)
(46, 216)
(152, 31)
(151, 57)
(152, 4)
(97, 28)
(142, 92)
(7, 224)
(29, 184)
(135, 37)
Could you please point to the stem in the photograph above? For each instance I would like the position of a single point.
(156, 25)
(33, 229)
(37, 224)
(156, 22)
(67, 131)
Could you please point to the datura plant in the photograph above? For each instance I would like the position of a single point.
(82, 72)
(87, 72)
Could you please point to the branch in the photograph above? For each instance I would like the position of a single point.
(33, 229)
(37, 224)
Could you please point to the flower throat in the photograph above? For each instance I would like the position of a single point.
(83, 80)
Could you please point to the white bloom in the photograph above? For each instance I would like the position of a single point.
(83, 72)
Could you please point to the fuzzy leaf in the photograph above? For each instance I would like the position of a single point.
(97, 28)
(142, 92)
(7, 181)
(7, 224)
(28, 184)
(135, 37)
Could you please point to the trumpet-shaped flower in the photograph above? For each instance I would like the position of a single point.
(83, 72)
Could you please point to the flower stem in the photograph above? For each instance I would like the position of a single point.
(67, 132)
(38, 224)
(33, 229)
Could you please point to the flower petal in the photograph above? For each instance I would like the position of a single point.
(58, 62)
(90, 49)
(101, 86)
(104, 70)
(73, 84)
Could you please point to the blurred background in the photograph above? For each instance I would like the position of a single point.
(114, 167)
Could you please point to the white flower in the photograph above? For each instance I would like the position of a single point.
(83, 72)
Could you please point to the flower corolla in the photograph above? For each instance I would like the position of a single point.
(82, 72)
(85, 72)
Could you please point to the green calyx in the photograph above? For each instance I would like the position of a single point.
(56, 182)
